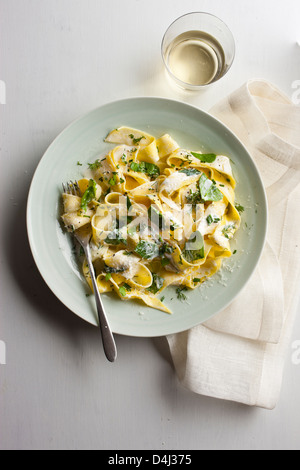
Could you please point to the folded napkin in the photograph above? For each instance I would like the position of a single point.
(239, 354)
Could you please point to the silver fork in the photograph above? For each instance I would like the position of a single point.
(83, 236)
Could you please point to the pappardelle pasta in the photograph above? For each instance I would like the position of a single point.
(159, 215)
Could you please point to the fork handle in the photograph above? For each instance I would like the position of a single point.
(109, 344)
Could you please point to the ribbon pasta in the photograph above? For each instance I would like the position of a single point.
(159, 215)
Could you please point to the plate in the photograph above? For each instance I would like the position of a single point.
(82, 142)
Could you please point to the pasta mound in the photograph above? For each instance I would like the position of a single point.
(159, 215)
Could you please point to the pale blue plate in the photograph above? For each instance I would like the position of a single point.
(82, 142)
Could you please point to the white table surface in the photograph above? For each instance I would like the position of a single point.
(58, 60)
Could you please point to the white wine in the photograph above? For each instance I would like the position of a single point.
(196, 58)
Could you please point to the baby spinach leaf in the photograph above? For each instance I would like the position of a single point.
(147, 250)
(205, 157)
(208, 189)
(194, 248)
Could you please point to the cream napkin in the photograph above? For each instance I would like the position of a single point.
(239, 354)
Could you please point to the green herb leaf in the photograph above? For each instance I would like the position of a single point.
(122, 291)
(89, 194)
(180, 294)
(239, 208)
(145, 167)
(95, 165)
(205, 157)
(156, 284)
(208, 190)
(136, 140)
(212, 220)
(194, 197)
(194, 248)
(114, 179)
(165, 261)
(190, 171)
(115, 238)
(109, 269)
(147, 250)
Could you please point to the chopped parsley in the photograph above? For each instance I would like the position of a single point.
(180, 293)
(136, 140)
(114, 179)
(228, 231)
(124, 289)
(95, 165)
(212, 220)
(239, 207)
(89, 195)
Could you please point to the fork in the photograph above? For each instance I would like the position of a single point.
(83, 236)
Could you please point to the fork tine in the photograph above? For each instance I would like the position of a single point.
(71, 187)
(76, 189)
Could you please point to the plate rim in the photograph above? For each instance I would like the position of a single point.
(83, 116)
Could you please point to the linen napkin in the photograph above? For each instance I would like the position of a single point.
(239, 354)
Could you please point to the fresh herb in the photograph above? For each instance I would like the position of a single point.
(227, 231)
(110, 269)
(122, 291)
(190, 171)
(115, 238)
(196, 279)
(194, 248)
(123, 158)
(136, 140)
(114, 179)
(209, 190)
(162, 298)
(156, 284)
(194, 197)
(164, 261)
(108, 276)
(128, 202)
(180, 294)
(145, 167)
(205, 157)
(79, 164)
(147, 250)
(165, 248)
(212, 220)
(122, 180)
(95, 165)
(239, 207)
(89, 194)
